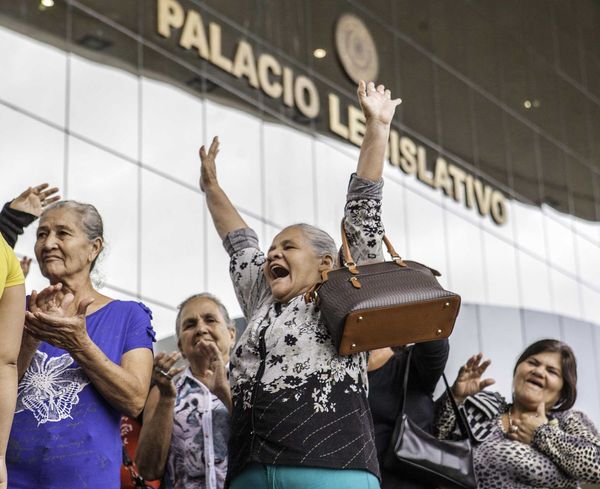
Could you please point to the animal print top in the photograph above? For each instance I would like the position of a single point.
(560, 456)
(295, 400)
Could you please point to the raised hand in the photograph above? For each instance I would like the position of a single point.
(163, 373)
(215, 377)
(34, 199)
(376, 103)
(49, 319)
(208, 168)
(469, 381)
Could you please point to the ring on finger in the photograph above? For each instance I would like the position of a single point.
(160, 371)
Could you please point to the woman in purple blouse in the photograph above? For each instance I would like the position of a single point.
(84, 360)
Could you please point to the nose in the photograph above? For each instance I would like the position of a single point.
(49, 242)
(274, 254)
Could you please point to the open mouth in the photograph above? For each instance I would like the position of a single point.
(277, 271)
(536, 382)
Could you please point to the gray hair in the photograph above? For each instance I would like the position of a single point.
(322, 243)
(203, 295)
(90, 223)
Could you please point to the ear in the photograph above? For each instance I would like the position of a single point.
(326, 263)
(179, 348)
(232, 335)
(97, 246)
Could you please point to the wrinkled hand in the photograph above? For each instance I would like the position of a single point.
(49, 320)
(163, 373)
(208, 168)
(469, 382)
(376, 103)
(35, 199)
(25, 263)
(215, 378)
(527, 423)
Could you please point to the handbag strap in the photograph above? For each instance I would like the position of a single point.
(349, 261)
(461, 420)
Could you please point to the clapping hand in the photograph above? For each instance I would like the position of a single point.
(49, 319)
(164, 371)
(377, 103)
(469, 382)
(208, 168)
(34, 199)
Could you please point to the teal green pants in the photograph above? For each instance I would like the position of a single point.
(261, 476)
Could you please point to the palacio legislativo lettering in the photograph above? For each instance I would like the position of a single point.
(279, 81)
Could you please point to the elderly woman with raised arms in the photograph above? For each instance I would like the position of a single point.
(300, 411)
(537, 441)
(85, 359)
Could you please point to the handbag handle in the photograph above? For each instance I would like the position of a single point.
(349, 261)
(460, 419)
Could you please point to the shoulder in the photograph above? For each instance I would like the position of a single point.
(573, 418)
(131, 308)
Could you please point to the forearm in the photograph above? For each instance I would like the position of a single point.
(155, 440)
(225, 216)
(29, 345)
(8, 388)
(13, 222)
(123, 390)
(372, 150)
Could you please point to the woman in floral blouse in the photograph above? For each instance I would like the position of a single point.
(538, 440)
(300, 413)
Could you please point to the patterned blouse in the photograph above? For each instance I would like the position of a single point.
(295, 400)
(563, 452)
(198, 453)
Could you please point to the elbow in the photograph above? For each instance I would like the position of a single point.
(134, 406)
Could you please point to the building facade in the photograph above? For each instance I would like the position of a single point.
(493, 175)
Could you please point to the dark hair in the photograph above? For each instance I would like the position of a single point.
(90, 223)
(568, 393)
(203, 295)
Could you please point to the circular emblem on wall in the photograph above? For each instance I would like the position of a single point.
(356, 49)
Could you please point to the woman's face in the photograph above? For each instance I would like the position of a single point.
(62, 248)
(202, 321)
(292, 265)
(538, 379)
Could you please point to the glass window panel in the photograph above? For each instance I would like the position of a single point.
(589, 230)
(23, 164)
(592, 71)
(240, 166)
(96, 177)
(465, 259)
(502, 341)
(33, 76)
(447, 24)
(394, 212)
(588, 256)
(565, 294)
(574, 115)
(163, 320)
(559, 239)
(534, 282)
(591, 305)
(545, 99)
(515, 62)
(172, 240)
(414, 19)
(529, 228)
(425, 233)
(581, 187)
(172, 130)
(127, 14)
(491, 148)
(482, 52)
(416, 82)
(455, 115)
(288, 173)
(579, 336)
(568, 55)
(594, 120)
(538, 34)
(500, 272)
(285, 27)
(332, 171)
(554, 176)
(524, 165)
(45, 24)
(540, 325)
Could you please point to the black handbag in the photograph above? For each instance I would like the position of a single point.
(421, 457)
(390, 303)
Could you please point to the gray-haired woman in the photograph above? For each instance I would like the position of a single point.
(186, 421)
(85, 359)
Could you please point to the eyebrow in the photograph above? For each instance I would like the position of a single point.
(283, 243)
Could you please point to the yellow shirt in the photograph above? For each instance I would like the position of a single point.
(10, 269)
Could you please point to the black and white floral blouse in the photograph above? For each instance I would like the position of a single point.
(295, 400)
(563, 452)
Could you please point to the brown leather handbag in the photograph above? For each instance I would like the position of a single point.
(390, 303)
